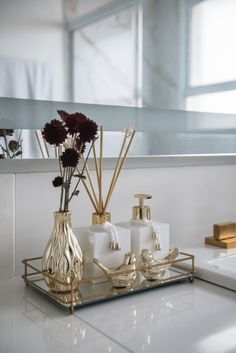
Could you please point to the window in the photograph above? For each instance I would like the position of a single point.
(105, 58)
(211, 81)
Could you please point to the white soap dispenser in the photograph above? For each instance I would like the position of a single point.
(146, 233)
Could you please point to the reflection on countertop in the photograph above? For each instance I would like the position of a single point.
(168, 319)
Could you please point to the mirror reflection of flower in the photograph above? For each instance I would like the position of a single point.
(70, 136)
(10, 148)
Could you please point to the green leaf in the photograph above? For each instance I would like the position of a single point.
(81, 176)
(76, 193)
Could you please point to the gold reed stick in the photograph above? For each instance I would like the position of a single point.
(115, 171)
(101, 170)
(90, 196)
(123, 161)
(96, 163)
(95, 200)
(88, 191)
(118, 168)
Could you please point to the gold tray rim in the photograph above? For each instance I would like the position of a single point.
(182, 274)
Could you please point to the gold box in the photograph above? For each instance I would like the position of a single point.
(223, 243)
(224, 230)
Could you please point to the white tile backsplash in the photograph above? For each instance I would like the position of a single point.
(189, 199)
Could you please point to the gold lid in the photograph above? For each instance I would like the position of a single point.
(101, 218)
(142, 211)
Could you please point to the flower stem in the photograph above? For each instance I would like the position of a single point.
(85, 162)
(62, 191)
(66, 191)
(59, 162)
(69, 177)
(6, 145)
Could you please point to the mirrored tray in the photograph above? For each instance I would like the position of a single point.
(88, 292)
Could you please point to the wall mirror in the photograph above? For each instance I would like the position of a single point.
(165, 54)
(158, 132)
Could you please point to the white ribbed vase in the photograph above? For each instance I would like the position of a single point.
(62, 258)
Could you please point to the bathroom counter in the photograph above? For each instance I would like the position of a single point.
(184, 317)
(214, 264)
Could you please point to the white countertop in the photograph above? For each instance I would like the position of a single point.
(180, 318)
(211, 264)
(208, 252)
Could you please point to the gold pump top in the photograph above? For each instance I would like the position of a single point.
(142, 212)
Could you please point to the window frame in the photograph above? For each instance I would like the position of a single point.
(191, 91)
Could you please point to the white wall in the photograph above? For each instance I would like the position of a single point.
(33, 30)
(7, 225)
(190, 199)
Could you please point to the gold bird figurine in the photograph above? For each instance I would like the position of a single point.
(153, 269)
(124, 275)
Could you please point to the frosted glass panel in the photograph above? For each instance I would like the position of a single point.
(105, 61)
(158, 132)
(219, 102)
(213, 51)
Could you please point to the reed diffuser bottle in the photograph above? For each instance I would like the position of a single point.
(103, 240)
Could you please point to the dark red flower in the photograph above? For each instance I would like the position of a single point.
(88, 130)
(80, 146)
(63, 114)
(58, 181)
(6, 132)
(13, 146)
(54, 132)
(69, 158)
(74, 121)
